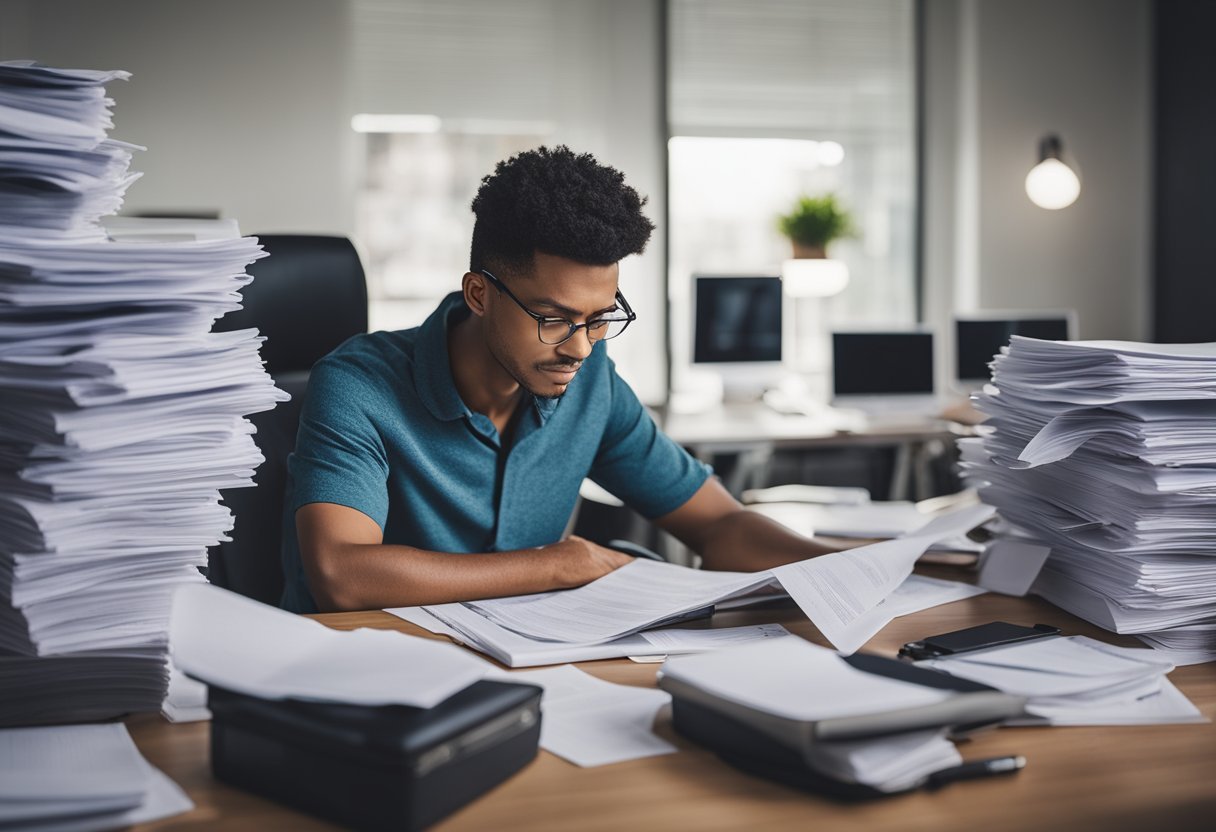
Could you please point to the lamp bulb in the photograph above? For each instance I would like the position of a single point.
(1052, 184)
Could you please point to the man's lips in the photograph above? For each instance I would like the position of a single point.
(565, 370)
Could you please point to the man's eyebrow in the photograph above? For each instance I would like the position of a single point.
(571, 313)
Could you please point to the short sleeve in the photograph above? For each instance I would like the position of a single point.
(339, 455)
(639, 463)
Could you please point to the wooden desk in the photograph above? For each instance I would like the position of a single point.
(1142, 777)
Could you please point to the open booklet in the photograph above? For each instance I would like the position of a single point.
(842, 593)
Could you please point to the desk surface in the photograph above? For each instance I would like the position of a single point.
(1140, 777)
(733, 425)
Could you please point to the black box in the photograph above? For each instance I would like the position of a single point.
(387, 767)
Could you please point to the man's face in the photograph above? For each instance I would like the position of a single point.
(557, 288)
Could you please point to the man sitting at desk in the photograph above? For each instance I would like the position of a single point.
(441, 463)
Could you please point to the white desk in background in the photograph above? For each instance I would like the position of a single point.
(755, 431)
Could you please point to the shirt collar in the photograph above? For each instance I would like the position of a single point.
(433, 367)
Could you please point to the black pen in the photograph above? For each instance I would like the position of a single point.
(978, 768)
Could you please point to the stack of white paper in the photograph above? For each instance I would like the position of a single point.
(1106, 452)
(75, 778)
(1078, 681)
(58, 172)
(121, 414)
(794, 679)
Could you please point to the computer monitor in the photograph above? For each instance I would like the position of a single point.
(737, 330)
(883, 372)
(979, 337)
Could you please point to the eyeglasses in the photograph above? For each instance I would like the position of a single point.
(554, 331)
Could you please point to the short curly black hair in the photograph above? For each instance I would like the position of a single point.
(557, 202)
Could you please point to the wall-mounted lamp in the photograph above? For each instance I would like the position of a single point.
(1051, 183)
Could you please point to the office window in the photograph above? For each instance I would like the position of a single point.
(441, 91)
(412, 215)
(770, 99)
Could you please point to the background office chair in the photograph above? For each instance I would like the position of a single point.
(307, 297)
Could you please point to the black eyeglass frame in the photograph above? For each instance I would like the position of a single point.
(541, 320)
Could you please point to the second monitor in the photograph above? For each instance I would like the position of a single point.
(977, 338)
(883, 372)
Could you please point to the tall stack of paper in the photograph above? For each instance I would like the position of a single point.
(1106, 452)
(121, 414)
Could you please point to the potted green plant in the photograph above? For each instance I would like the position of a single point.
(813, 223)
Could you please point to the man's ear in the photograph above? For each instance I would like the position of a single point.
(475, 290)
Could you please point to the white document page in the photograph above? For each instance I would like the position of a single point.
(424, 619)
(1071, 656)
(836, 591)
(890, 763)
(515, 650)
(591, 722)
(792, 678)
(916, 593)
(163, 799)
(91, 768)
(625, 601)
(1166, 707)
(186, 699)
(698, 641)
(236, 643)
(79, 778)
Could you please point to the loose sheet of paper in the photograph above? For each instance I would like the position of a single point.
(1075, 680)
(591, 722)
(636, 596)
(698, 641)
(80, 777)
(838, 591)
(236, 643)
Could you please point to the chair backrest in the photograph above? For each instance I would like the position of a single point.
(307, 297)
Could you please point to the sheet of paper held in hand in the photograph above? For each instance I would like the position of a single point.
(836, 591)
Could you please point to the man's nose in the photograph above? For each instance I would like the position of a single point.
(578, 347)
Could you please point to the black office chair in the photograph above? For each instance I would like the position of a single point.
(307, 297)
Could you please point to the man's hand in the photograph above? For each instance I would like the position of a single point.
(583, 561)
(349, 567)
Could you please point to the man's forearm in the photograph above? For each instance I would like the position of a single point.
(357, 576)
(746, 541)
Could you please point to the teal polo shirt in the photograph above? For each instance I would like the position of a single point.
(384, 431)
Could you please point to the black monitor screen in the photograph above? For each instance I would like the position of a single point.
(738, 319)
(882, 363)
(976, 342)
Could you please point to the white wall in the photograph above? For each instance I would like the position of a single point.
(1000, 75)
(240, 104)
(245, 106)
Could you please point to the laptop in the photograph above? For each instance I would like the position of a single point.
(886, 376)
